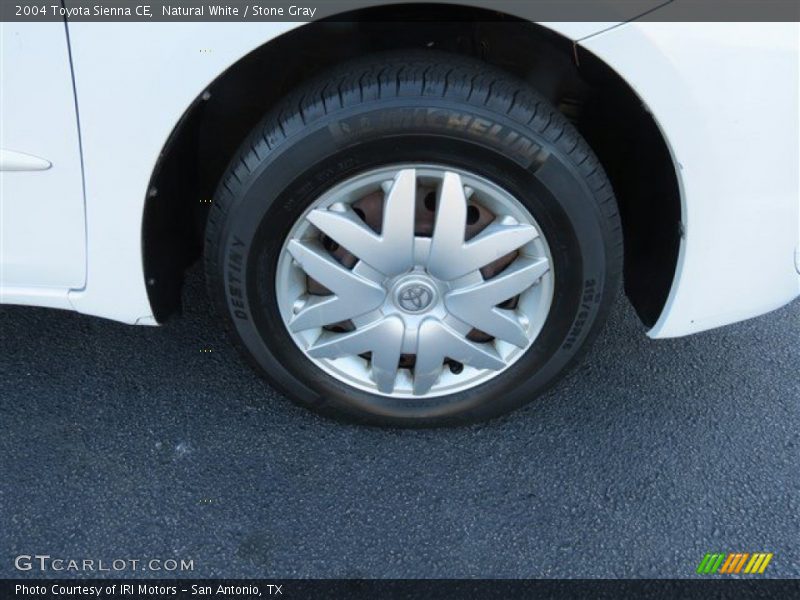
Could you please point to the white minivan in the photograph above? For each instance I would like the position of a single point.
(404, 221)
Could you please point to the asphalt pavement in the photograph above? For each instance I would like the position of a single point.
(133, 442)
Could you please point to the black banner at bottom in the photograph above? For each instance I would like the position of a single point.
(391, 589)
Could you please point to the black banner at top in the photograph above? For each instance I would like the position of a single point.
(611, 11)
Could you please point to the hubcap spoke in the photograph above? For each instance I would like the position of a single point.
(492, 243)
(477, 305)
(415, 288)
(392, 252)
(437, 341)
(383, 339)
(448, 232)
(451, 257)
(353, 295)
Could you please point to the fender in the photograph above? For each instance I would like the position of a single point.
(726, 128)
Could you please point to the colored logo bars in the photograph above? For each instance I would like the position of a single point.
(734, 563)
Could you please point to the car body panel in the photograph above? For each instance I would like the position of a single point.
(42, 227)
(132, 109)
(726, 97)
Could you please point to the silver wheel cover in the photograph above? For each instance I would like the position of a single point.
(400, 312)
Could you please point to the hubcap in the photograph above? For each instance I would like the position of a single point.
(415, 281)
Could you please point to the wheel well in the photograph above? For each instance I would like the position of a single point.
(603, 107)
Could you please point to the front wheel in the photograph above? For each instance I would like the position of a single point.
(414, 240)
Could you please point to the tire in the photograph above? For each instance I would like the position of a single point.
(414, 108)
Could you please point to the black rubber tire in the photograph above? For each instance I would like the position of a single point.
(413, 107)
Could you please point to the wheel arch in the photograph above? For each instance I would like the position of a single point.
(591, 94)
